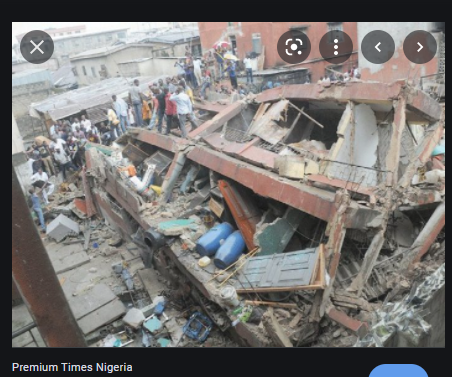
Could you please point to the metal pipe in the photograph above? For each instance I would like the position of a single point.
(36, 279)
(24, 329)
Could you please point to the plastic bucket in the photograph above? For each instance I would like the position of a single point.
(229, 295)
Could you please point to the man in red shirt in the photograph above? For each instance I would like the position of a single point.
(170, 110)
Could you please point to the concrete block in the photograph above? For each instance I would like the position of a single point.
(290, 166)
(134, 318)
(312, 167)
(62, 227)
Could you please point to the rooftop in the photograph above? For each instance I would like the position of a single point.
(75, 101)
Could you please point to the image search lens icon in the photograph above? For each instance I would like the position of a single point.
(294, 46)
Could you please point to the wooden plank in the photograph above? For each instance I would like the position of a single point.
(275, 330)
(272, 304)
(307, 115)
(99, 296)
(281, 289)
(104, 315)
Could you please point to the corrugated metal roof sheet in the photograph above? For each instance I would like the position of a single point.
(76, 101)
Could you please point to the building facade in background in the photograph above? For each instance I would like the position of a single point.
(253, 36)
(399, 67)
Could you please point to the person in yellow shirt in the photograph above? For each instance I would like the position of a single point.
(146, 111)
(187, 90)
(113, 122)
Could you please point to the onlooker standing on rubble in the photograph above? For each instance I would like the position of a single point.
(41, 180)
(232, 74)
(187, 90)
(184, 109)
(113, 122)
(36, 205)
(130, 116)
(47, 159)
(37, 162)
(78, 134)
(170, 110)
(121, 111)
(170, 85)
(64, 161)
(136, 97)
(197, 71)
(248, 69)
(75, 124)
(206, 82)
(155, 105)
(220, 61)
(161, 109)
(146, 112)
(86, 123)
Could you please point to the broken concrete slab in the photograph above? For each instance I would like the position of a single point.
(102, 316)
(92, 300)
(23, 340)
(62, 227)
(311, 167)
(67, 257)
(290, 166)
(153, 286)
(273, 237)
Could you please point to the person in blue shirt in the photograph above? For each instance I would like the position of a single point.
(36, 205)
(232, 74)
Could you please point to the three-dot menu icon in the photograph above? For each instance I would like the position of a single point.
(336, 47)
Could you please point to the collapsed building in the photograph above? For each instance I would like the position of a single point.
(326, 184)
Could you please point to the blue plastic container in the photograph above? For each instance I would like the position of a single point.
(230, 251)
(209, 243)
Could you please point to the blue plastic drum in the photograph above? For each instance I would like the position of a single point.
(230, 251)
(209, 243)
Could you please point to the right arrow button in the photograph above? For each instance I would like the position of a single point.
(420, 47)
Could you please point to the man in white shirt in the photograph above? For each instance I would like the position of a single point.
(53, 130)
(57, 143)
(121, 108)
(249, 69)
(64, 161)
(184, 109)
(86, 123)
(197, 71)
(41, 180)
(75, 124)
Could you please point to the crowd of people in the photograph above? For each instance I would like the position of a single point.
(353, 73)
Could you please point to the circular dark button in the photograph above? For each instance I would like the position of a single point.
(294, 47)
(420, 47)
(37, 47)
(336, 47)
(378, 47)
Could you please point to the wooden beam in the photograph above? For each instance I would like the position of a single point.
(306, 115)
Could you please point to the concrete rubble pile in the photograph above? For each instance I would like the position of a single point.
(306, 215)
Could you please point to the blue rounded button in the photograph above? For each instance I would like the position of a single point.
(398, 370)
